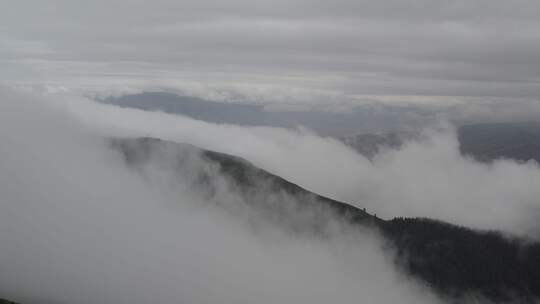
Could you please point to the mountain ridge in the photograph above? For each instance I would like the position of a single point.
(454, 261)
(361, 117)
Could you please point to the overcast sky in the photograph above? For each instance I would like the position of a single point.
(283, 49)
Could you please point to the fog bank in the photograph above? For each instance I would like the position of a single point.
(425, 178)
(78, 226)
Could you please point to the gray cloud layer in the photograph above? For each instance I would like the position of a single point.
(429, 178)
(291, 48)
(76, 226)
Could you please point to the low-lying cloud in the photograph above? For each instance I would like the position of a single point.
(424, 178)
(78, 226)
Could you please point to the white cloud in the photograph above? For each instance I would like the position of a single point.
(77, 226)
(428, 178)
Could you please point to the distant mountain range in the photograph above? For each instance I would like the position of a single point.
(484, 142)
(370, 144)
(371, 125)
(454, 261)
(365, 118)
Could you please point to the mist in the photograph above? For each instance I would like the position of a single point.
(279, 87)
(427, 177)
(78, 226)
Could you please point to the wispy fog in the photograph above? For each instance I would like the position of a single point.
(78, 226)
(427, 177)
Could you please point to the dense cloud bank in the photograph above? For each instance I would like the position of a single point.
(78, 226)
(427, 177)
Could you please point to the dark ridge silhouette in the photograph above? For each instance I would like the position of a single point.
(360, 118)
(370, 144)
(487, 142)
(454, 261)
(483, 142)
(457, 261)
(285, 203)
